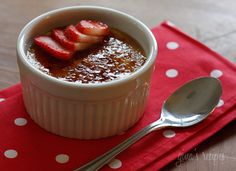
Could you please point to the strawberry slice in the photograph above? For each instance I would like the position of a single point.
(73, 34)
(94, 28)
(82, 46)
(52, 47)
(60, 37)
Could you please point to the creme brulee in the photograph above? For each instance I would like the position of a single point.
(118, 55)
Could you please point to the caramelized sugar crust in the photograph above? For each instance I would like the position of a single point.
(117, 56)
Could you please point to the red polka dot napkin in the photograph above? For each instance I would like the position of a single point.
(24, 146)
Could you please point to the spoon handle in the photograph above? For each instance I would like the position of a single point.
(109, 155)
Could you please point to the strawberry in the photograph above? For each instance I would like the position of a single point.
(73, 34)
(81, 46)
(94, 28)
(62, 44)
(52, 47)
(60, 37)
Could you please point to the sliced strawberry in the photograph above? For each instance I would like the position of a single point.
(73, 34)
(94, 28)
(52, 47)
(81, 46)
(60, 37)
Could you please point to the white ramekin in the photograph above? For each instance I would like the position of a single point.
(85, 111)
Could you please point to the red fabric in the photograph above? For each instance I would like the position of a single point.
(37, 148)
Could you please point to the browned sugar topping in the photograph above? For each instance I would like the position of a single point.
(117, 56)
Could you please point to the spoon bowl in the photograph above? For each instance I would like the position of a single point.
(187, 106)
(192, 103)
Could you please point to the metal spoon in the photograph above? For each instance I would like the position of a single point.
(188, 105)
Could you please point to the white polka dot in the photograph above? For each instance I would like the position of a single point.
(169, 133)
(169, 23)
(172, 45)
(171, 73)
(10, 153)
(62, 158)
(220, 103)
(216, 73)
(2, 99)
(115, 164)
(20, 121)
